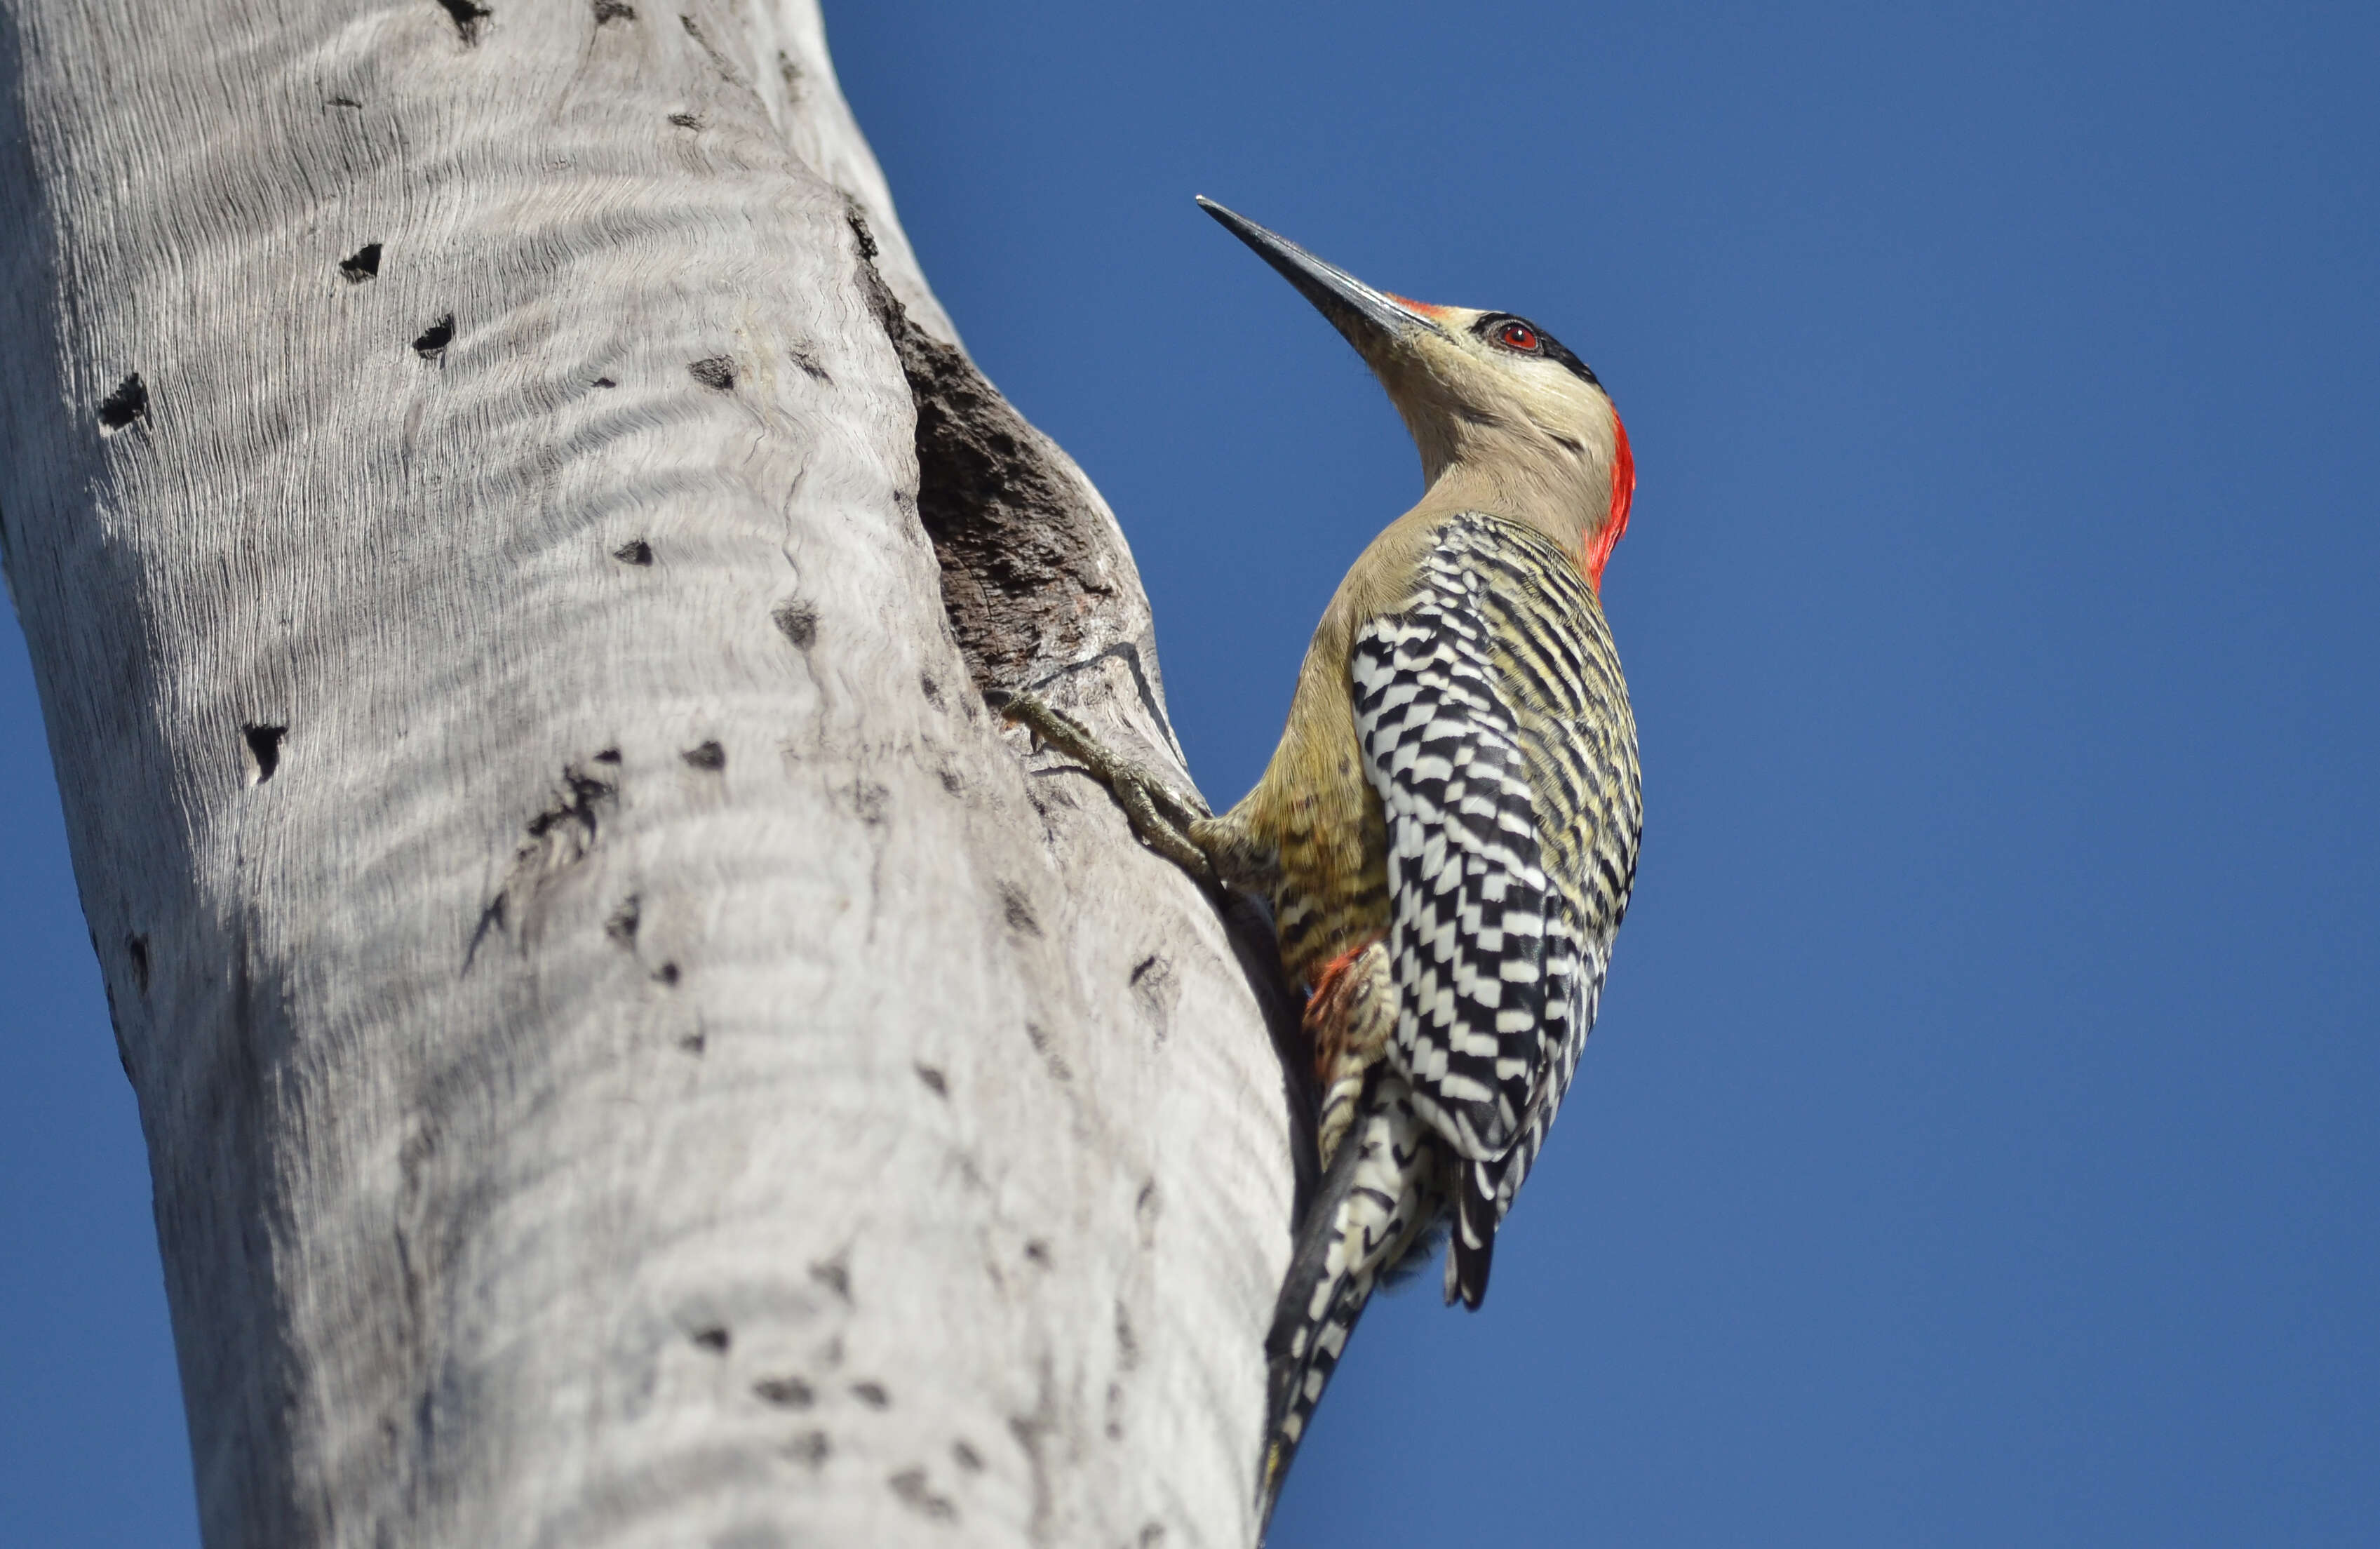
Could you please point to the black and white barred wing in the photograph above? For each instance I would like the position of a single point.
(1479, 953)
(1494, 727)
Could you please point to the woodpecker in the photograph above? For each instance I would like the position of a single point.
(1448, 830)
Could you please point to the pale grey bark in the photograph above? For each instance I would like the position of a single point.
(631, 1052)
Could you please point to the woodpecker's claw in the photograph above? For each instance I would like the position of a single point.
(1160, 814)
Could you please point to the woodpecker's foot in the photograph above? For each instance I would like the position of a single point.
(1161, 813)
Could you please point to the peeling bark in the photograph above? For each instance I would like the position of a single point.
(631, 1051)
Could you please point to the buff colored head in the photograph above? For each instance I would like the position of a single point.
(1505, 418)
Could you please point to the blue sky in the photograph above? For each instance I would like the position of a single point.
(1979, 1146)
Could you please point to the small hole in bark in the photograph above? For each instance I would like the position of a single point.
(716, 370)
(691, 121)
(1127, 1342)
(952, 782)
(799, 622)
(605, 382)
(666, 974)
(967, 1458)
(635, 551)
(137, 949)
(1153, 987)
(363, 266)
(609, 755)
(933, 690)
(128, 403)
(872, 1395)
(934, 1081)
(835, 1276)
(432, 345)
(342, 101)
(1018, 912)
(706, 755)
(810, 1446)
(490, 919)
(264, 750)
(1145, 1211)
(614, 10)
(466, 17)
(693, 1044)
(1038, 1252)
(713, 1339)
(910, 1485)
(621, 926)
(1040, 1037)
(786, 1392)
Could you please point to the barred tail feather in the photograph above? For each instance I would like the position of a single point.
(1477, 1212)
(1376, 1204)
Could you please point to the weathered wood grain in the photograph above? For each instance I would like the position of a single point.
(630, 1053)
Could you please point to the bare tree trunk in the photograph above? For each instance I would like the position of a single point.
(630, 1052)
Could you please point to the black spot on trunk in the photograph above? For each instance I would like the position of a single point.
(716, 370)
(432, 345)
(558, 838)
(128, 403)
(362, 265)
(799, 622)
(264, 750)
(466, 17)
(910, 1486)
(835, 1276)
(621, 926)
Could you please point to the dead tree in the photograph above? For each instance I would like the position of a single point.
(631, 1050)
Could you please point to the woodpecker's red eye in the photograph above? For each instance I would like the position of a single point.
(1520, 335)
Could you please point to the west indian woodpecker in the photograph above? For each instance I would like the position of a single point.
(1448, 830)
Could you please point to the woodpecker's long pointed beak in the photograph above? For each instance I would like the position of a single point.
(1368, 317)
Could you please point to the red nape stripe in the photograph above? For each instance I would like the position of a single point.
(1623, 495)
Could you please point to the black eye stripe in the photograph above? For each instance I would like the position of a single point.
(1552, 348)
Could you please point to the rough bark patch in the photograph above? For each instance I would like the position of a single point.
(1019, 543)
